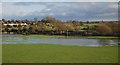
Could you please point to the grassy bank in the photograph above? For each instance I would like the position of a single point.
(61, 36)
(40, 36)
(50, 53)
(100, 37)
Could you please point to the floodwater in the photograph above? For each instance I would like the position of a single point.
(23, 39)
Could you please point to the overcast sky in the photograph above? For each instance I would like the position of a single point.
(59, 0)
(82, 11)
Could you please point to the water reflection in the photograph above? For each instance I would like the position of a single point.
(103, 42)
(20, 39)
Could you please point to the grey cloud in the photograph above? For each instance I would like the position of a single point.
(74, 10)
(25, 3)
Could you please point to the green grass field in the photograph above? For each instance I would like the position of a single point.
(0, 53)
(51, 53)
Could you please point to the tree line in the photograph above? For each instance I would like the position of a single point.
(52, 26)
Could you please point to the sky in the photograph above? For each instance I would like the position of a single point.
(81, 11)
(59, 0)
(0, 11)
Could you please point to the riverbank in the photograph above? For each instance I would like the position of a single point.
(61, 36)
(51, 53)
(101, 37)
